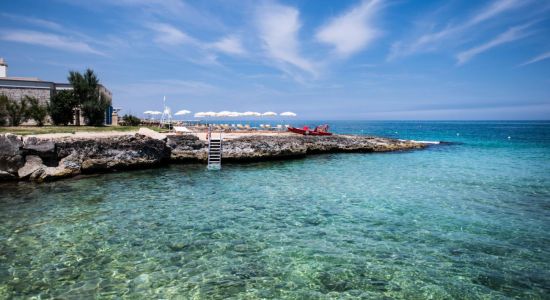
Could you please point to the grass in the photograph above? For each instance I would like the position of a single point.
(28, 130)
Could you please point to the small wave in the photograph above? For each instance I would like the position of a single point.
(425, 142)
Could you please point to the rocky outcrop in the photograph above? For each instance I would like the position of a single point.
(31, 158)
(33, 163)
(11, 158)
(187, 148)
(152, 134)
(280, 147)
(50, 159)
(113, 153)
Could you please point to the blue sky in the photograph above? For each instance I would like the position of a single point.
(374, 60)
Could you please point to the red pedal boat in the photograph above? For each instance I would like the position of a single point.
(319, 130)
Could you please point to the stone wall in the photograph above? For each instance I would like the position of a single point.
(43, 95)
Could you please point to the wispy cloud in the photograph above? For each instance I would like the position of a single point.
(34, 21)
(430, 41)
(48, 40)
(353, 30)
(510, 35)
(537, 58)
(229, 45)
(278, 27)
(167, 34)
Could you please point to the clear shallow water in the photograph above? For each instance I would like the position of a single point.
(469, 220)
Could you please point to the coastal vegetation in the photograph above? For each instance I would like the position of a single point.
(36, 111)
(61, 107)
(131, 120)
(32, 130)
(86, 93)
(3, 109)
(17, 111)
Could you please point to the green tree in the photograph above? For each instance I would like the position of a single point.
(3, 109)
(17, 111)
(92, 103)
(36, 111)
(131, 120)
(62, 107)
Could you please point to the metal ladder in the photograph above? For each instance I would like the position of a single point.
(214, 151)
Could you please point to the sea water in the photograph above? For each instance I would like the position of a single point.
(467, 220)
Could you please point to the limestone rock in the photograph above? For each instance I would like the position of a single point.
(68, 166)
(9, 144)
(121, 152)
(187, 147)
(152, 134)
(6, 176)
(10, 154)
(38, 145)
(32, 164)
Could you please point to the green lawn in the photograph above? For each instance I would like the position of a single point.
(27, 130)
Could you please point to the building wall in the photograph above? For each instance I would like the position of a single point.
(43, 95)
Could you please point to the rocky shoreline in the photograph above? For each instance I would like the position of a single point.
(47, 159)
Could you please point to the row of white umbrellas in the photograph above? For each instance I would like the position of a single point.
(226, 114)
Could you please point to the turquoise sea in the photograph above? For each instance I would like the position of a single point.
(467, 220)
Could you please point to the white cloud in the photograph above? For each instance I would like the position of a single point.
(48, 40)
(229, 45)
(279, 26)
(537, 58)
(34, 21)
(508, 36)
(494, 10)
(169, 35)
(431, 41)
(351, 31)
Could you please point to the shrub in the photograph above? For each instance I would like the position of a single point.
(62, 107)
(36, 110)
(17, 111)
(130, 120)
(3, 109)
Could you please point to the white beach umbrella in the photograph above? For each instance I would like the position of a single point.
(269, 114)
(204, 114)
(222, 114)
(288, 114)
(182, 112)
(251, 114)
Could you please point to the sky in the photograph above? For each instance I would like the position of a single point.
(357, 60)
